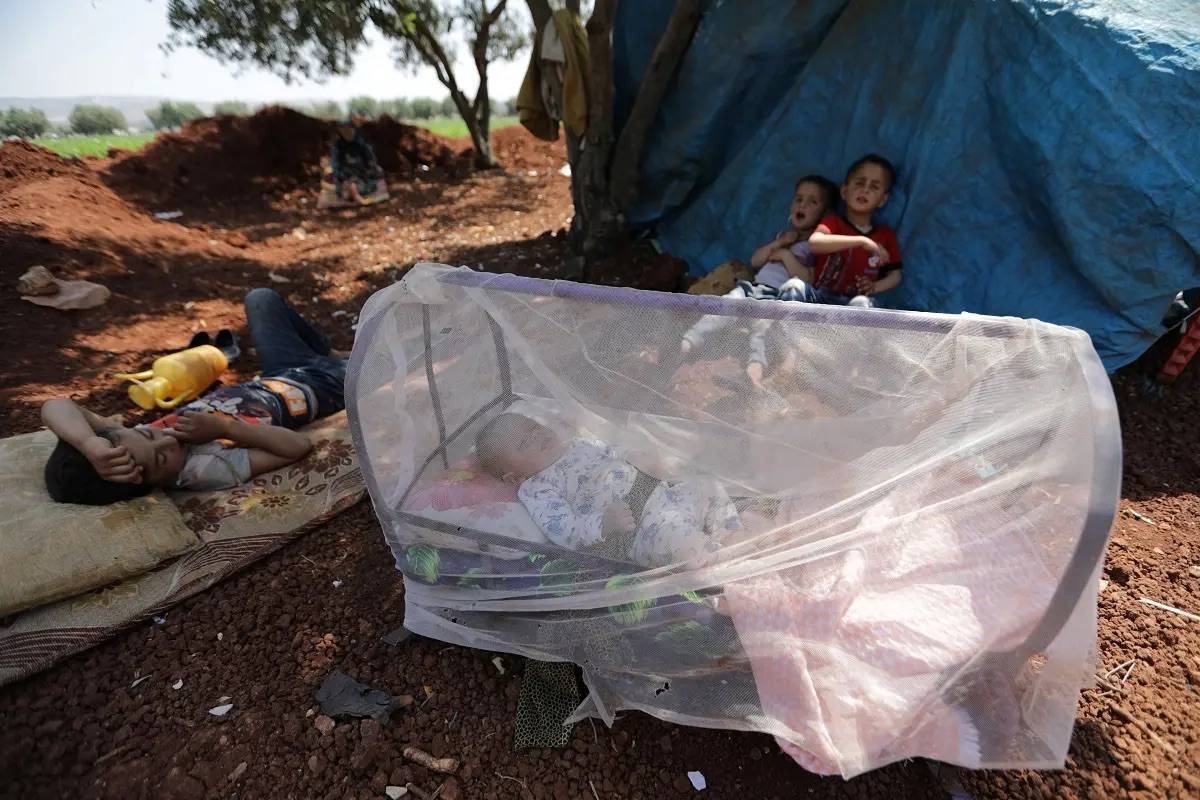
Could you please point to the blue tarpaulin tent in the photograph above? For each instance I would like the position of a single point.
(1048, 150)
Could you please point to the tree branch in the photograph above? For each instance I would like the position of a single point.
(659, 72)
(601, 220)
(600, 70)
(494, 15)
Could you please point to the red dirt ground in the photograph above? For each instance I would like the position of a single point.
(248, 191)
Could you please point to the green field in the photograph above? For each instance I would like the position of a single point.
(82, 146)
(455, 128)
(92, 146)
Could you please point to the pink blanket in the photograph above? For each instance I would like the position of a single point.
(851, 651)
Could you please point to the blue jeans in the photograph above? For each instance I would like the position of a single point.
(799, 291)
(289, 347)
(698, 334)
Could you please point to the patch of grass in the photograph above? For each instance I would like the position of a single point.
(455, 128)
(88, 146)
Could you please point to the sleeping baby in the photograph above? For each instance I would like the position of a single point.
(585, 497)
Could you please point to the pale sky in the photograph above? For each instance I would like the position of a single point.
(68, 48)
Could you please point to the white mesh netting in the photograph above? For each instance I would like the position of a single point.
(889, 550)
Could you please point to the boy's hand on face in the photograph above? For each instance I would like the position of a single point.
(618, 518)
(198, 427)
(112, 462)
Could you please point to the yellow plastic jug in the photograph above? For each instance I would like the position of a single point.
(176, 378)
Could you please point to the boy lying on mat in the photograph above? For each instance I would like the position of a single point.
(584, 496)
(97, 462)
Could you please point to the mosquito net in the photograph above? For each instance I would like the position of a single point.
(873, 534)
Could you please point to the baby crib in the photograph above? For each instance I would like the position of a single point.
(925, 501)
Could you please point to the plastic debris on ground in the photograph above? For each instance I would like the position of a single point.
(342, 697)
(698, 782)
(397, 636)
(168, 214)
(221, 710)
(39, 286)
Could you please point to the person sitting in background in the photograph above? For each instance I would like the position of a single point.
(355, 169)
(97, 462)
(778, 261)
(855, 258)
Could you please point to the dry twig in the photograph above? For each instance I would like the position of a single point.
(125, 748)
(1144, 728)
(442, 765)
(514, 780)
(1172, 609)
(417, 791)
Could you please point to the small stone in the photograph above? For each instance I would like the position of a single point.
(1194, 570)
(451, 790)
(315, 765)
(755, 754)
(178, 785)
(369, 731)
(395, 792)
(238, 771)
(324, 724)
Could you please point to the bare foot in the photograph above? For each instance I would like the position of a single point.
(754, 371)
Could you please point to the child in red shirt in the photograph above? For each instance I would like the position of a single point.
(855, 259)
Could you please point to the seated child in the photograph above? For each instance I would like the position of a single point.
(778, 261)
(585, 497)
(97, 462)
(355, 168)
(855, 259)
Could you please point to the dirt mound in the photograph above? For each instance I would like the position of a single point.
(402, 148)
(56, 212)
(516, 148)
(22, 162)
(227, 159)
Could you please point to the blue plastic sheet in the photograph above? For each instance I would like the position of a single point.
(1048, 150)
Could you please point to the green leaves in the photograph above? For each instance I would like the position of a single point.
(422, 561)
(170, 114)
(26, 123)
(91, 120)
(559, 576)
(628, 614)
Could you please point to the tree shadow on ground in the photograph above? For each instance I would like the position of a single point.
(159, 298)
